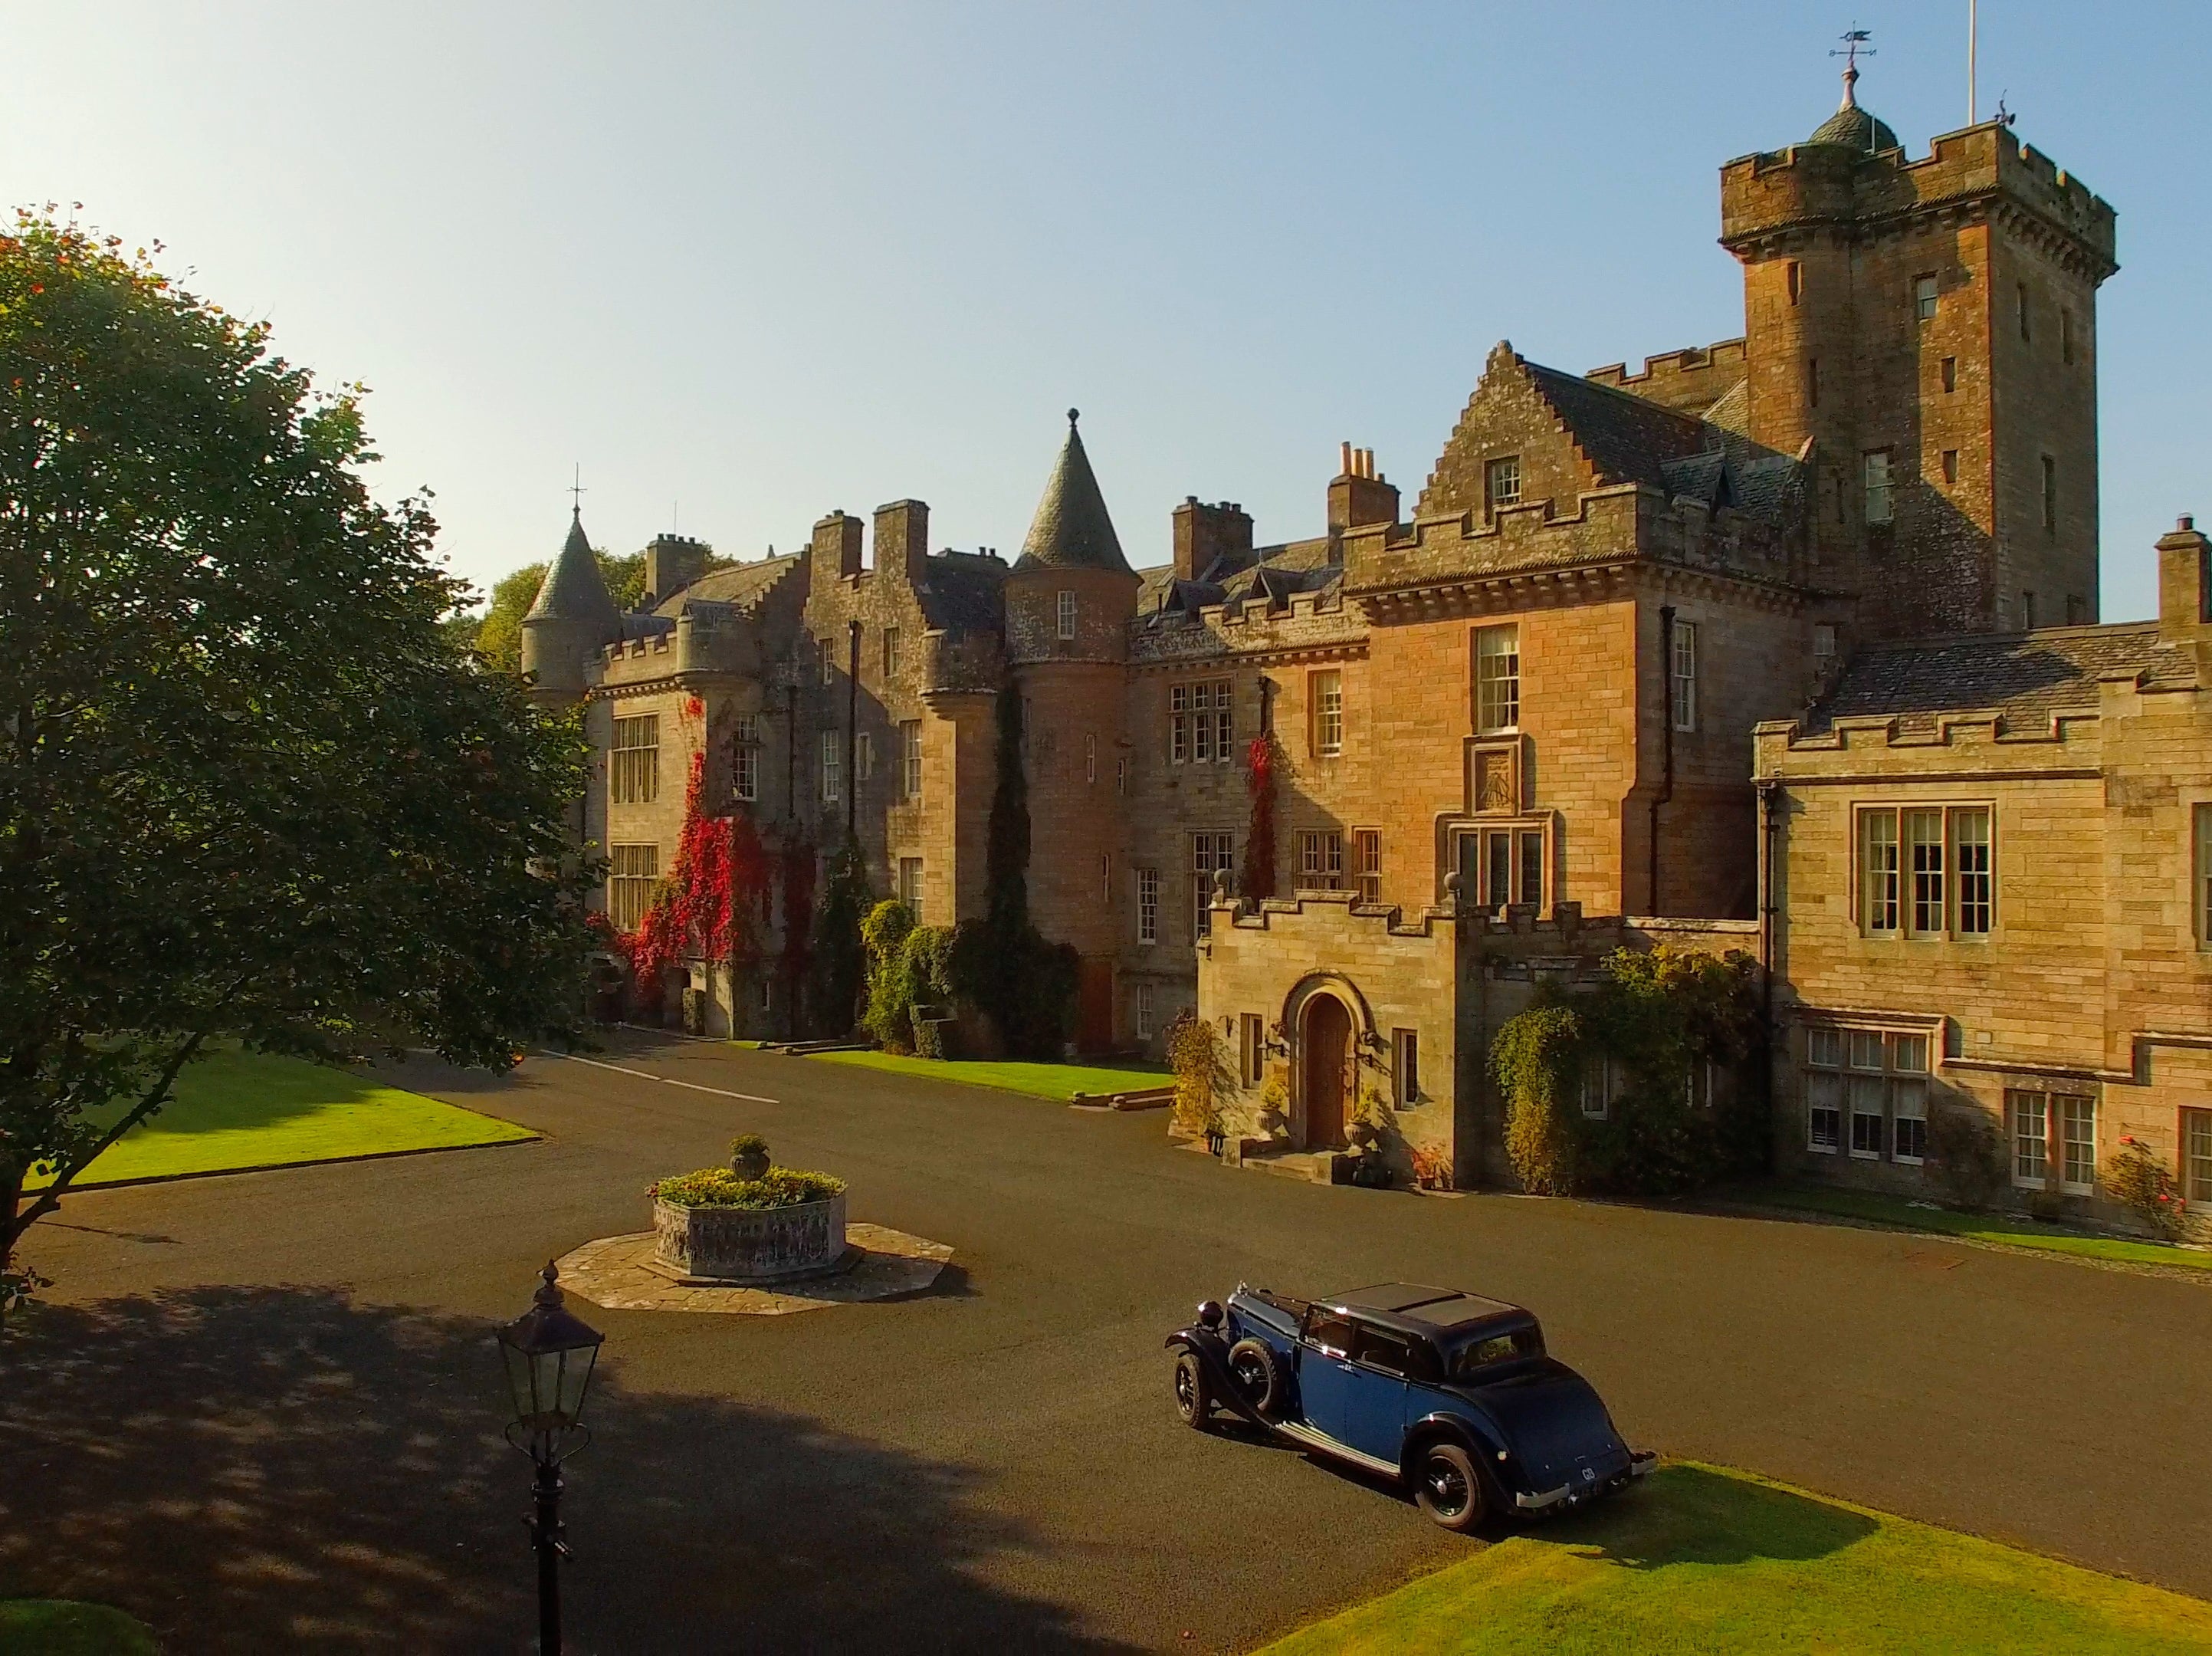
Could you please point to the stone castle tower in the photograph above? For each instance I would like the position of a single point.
(1930, 328)
(1070, 598)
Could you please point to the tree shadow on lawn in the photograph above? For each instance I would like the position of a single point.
(1685, 1515)
(278, 1469)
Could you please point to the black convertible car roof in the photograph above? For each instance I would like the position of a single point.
(1415, 1309)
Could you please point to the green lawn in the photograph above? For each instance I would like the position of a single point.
(1716, 1562)
(1047, 1081)
(62, 1627)
(236, 1109)
(2018, 1233)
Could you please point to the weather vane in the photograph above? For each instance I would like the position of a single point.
(576, 490)
(1855, 40)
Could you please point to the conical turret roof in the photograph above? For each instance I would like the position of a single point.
(573, 589)
(1071, 529)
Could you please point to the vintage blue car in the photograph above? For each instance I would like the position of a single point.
(1449, 1394)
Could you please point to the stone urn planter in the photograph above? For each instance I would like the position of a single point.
(750, 1246)
(748, 1224)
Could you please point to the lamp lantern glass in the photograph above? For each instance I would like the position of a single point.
(550, 1356)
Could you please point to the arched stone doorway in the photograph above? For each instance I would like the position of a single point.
(1325, 1071)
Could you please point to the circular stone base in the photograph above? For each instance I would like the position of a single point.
(837, 1267)
(621, 1273)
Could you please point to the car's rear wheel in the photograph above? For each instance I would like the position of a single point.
(1446, 1486)
(1258, 1372)
(1194, 1396)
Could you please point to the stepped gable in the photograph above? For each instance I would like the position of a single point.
(741, 586)
(2026, 677)
(1072, 529)
(573, 589)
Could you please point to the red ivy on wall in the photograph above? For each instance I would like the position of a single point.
(1257, 877)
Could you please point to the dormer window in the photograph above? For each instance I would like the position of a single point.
(1501, 482)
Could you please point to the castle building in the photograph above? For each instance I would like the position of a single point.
(1353, 795)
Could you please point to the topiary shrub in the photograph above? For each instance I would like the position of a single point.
(2140, 1182)
(718, 1187)
(1533, 1057)
(1967, 1155)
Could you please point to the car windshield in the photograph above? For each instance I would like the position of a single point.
(1474, 1356)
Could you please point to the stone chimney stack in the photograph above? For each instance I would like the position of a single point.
(672, 563)
(2185, 593)
(1360, 495)
(1205, 534)
(838, 546)
(903, 539)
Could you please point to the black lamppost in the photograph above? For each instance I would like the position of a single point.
(550, 1356)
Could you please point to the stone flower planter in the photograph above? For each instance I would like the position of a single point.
(747, 1246)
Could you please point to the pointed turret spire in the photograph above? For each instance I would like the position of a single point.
(573, 589)
(1071, 528)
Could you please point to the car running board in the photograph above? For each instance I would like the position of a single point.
(1298, 1432)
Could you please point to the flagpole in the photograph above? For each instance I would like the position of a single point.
(1973, 37)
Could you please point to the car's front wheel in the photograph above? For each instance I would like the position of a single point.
(1194, 1397)
(1447, 1488)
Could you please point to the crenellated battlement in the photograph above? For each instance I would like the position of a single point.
(1807, 186)
(1691, 380)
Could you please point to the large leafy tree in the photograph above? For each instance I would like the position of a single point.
(248, 789)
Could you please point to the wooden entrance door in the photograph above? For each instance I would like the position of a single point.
(1094, 1006)
(1327, 1045)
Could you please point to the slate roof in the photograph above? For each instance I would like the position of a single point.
(1631, 440)
(1072, 529)
(739, 585)
(1628, 439)
(1272, 575)
(2026, 677)
(1853, 127)
(573, 589)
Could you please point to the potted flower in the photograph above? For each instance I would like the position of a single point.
(750, 1222)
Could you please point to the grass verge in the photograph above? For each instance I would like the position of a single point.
(1044, 1080)
(236, 1110)
(1705, 1560)
(2001, 1229)
(64, 1627)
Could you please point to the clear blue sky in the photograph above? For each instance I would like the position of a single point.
(748, 264)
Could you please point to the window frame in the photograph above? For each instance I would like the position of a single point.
(744, 758)
(1406, 1067)
(831, 780)
(1878, 478)
(1857, 1073)
(1925, 289)
(1501, 482)
(1324, 711)
(911, 896)
(2193, 1144)
(1148, 907)
(891, 648)
(1251, 1047)
(1064, 618)
(910, 759)
(1682, 676)
(1320, 860)
(1963, 894)
(632, 780)
(1521, 836)
(1367, 865)
(1497, 691)
(2200, 885)
(1221, 847)
(1141, 1013)
(635, 885)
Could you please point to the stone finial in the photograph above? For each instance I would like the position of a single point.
(1221, 892)
(1452, 891)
